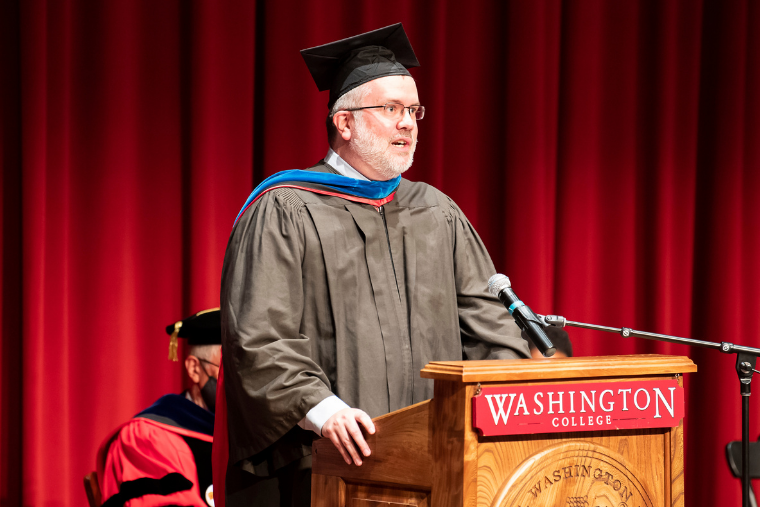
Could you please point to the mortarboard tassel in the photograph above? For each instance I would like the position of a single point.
(173, 342)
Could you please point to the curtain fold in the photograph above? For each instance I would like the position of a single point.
(608, 153)
(11, 263)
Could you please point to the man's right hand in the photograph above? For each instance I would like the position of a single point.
(344, 432)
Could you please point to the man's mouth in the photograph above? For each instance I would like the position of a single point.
(401, 143)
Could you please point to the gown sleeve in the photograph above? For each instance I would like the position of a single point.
(142, 450)
(488, 330)
(271, 381)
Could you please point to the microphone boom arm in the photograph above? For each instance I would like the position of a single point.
(627, 332)
(746, 358)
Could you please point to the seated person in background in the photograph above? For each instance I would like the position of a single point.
(162, 456)
(558, 337)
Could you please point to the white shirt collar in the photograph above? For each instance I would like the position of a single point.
(340, 165)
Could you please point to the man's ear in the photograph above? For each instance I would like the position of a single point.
(340, 120)
(193, 366)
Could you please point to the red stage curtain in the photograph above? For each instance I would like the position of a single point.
(607, 152)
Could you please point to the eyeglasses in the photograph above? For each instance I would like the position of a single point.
(395, 110)
(208, 362)
(204, 369)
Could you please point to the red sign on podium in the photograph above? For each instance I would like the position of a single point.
(553, 408)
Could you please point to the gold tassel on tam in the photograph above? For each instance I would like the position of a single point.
(174, 343)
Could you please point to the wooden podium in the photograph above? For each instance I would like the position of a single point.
(428, 454)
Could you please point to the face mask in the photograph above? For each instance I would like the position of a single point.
(208, 393)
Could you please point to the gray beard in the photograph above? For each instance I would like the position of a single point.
(374, 150)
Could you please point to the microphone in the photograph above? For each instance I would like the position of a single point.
(499, 286)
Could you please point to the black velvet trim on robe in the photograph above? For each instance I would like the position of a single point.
(176, 410)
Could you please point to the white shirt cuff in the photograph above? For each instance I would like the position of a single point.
(320, 413)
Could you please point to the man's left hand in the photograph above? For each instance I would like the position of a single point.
(344, 432)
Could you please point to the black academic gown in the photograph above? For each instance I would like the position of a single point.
(325, 296)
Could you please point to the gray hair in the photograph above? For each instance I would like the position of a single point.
(205, 352)
(349, 100)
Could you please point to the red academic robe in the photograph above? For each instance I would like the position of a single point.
(221, 451)
(160, 457)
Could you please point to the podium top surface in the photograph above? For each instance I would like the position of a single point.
(509, 370)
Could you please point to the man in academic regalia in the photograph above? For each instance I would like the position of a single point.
(162, 456)
(341, 282)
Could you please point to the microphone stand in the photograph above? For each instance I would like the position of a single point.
(746, 358)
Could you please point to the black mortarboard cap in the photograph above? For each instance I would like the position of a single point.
(343, 65)
(202, 328)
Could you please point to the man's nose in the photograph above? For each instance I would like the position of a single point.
(406, 121)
